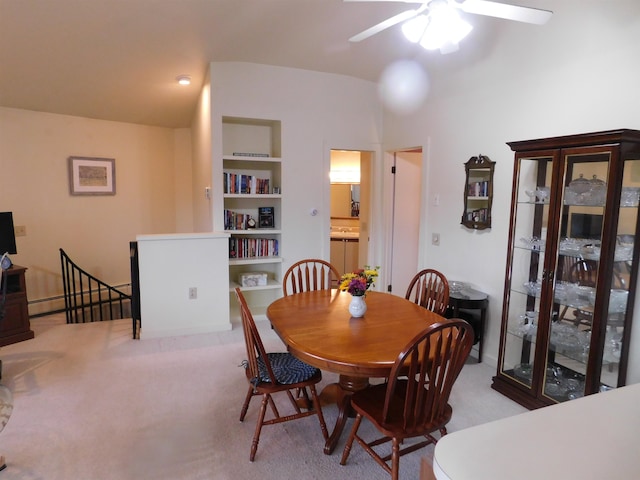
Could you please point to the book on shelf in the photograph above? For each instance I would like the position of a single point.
(478, 215)
(478, 189)
(252, 247)
(247, 154)
(266, 217)
(238, 221)
(245, 184)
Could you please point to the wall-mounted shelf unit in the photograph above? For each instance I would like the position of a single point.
(478, 192)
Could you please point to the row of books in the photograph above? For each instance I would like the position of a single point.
(252, 247)
(240, 183)
(245, 154)
(236, 221)
(478, 189)
(478, 215)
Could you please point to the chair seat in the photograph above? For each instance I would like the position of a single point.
(286, 368)
(370, 404)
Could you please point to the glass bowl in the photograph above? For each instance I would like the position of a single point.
(456, 286)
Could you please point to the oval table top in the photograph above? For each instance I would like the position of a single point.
(318, 329)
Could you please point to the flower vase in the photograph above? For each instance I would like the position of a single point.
(357, 306)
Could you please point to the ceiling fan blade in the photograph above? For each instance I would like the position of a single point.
(389, 22)
(389, 1)
(509, 12)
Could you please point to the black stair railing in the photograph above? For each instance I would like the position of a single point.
(88, 299)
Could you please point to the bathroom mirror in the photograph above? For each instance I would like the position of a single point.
(345, 200)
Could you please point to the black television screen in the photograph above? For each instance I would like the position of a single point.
(586, 225)
(7, 234)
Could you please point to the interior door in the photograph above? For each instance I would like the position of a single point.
(407, 194)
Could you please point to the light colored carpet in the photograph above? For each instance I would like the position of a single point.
(91, 403)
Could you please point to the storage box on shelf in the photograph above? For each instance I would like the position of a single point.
(251, 182)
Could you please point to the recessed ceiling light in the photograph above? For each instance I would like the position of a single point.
(184, 79)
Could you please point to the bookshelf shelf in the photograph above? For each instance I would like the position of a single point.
(255, 231)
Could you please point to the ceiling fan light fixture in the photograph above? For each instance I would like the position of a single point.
(414, 29)
(440, 27)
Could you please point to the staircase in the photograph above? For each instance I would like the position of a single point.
(88, 299)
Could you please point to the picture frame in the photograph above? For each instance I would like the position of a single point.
(92, 176)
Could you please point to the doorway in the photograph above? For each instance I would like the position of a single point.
(350, 173)
(406, 217)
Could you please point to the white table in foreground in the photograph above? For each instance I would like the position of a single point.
(595, 437)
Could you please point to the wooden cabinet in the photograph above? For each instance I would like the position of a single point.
(571, 267)
(478, 192)
(251, 182)
(15, 326)
(344, 254)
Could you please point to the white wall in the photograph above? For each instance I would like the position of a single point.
(202, 161)
(576, 74)
(318, 112)
(94, 230)
(171, 265)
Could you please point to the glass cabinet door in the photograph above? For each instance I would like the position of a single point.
(616, 304)
(584, 180)
(527, 266)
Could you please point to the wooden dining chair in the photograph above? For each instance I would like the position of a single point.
(430, 289)
(271, 373)
(414, 402)
(310, 274)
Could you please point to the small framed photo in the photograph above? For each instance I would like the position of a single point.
(92, 176)
(265, 217)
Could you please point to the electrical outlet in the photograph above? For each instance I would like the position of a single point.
(20, 231)
(193, 293)
(435, 239)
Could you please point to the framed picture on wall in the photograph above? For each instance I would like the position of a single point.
(92, 176)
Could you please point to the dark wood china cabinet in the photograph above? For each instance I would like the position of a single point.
(572, 264)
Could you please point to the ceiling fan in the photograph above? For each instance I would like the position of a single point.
(427, 12)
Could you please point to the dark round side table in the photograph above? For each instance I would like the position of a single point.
(470, 305)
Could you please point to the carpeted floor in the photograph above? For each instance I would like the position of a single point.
(91, 403)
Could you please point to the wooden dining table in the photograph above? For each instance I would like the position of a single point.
(317, 328)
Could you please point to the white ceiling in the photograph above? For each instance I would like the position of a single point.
(118, 59)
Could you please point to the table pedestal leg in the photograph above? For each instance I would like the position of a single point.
(340, 393)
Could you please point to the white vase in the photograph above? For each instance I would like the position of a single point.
(357, 306)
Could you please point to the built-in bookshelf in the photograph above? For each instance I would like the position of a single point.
(251, 186)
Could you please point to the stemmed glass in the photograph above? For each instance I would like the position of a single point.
(543, 194)
(531, 194)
